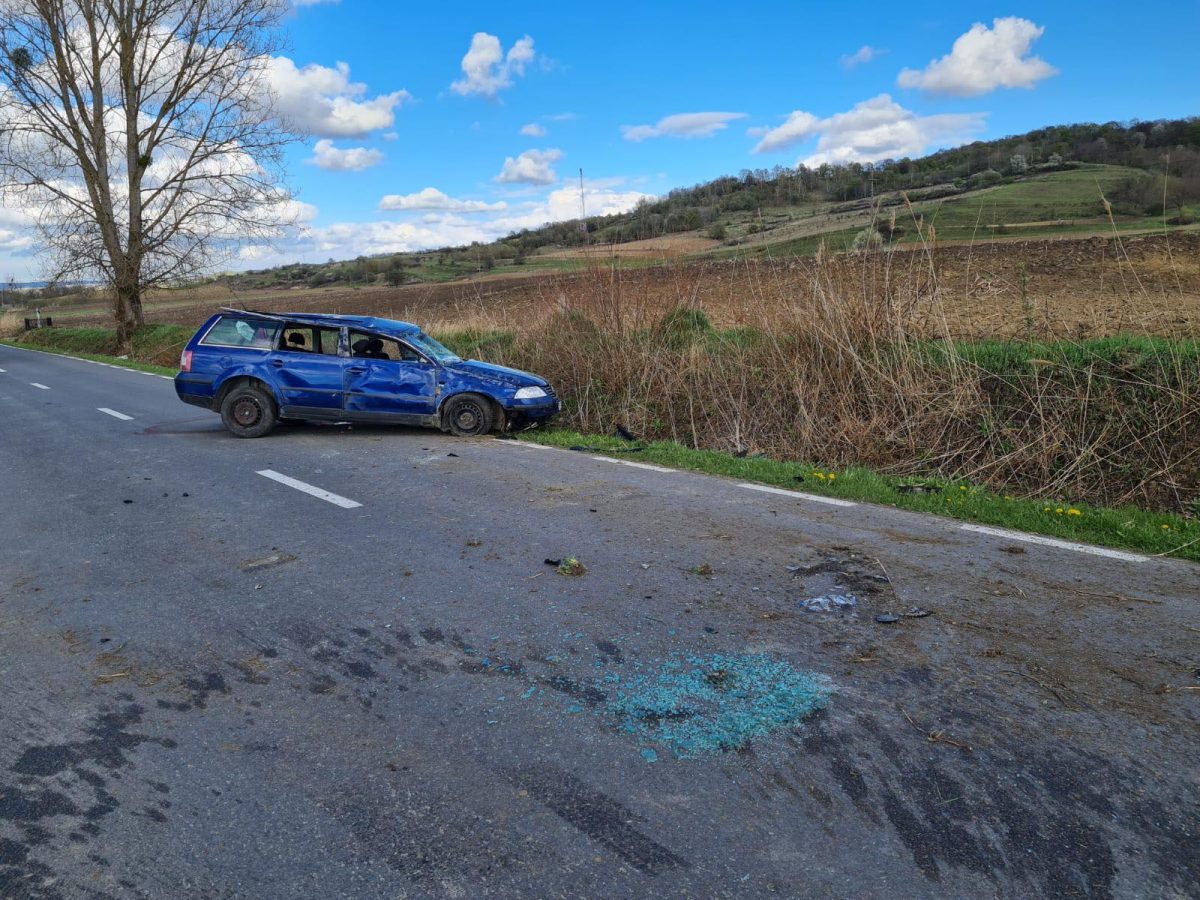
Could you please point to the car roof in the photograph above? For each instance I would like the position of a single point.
(366, 323)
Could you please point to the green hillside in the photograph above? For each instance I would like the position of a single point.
(1061, 180)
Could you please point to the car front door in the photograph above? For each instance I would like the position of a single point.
(387, 377)
(308, 371)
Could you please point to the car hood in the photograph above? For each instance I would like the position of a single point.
(473, 368)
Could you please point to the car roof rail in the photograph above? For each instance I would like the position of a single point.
(253, 312)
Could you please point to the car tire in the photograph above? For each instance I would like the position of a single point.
(468, 415)
(248, 412)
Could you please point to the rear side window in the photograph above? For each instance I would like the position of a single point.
(235, 331)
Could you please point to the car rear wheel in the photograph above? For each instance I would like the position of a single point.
(468, 414)
(248, 412)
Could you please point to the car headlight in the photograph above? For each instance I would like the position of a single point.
(529, 393)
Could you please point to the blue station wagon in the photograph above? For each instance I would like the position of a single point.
(257, 369)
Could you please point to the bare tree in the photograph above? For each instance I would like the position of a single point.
(140, 135)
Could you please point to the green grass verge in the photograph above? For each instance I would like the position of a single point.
(1127, 528)
(96, 357)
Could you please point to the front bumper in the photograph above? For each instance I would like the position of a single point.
(535, 410)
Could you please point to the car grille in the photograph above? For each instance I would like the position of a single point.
(550, 392)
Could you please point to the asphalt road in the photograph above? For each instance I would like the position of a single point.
(216, 685)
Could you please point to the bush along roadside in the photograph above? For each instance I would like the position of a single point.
(1128, 528)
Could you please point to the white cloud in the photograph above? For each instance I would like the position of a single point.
(878, 128)
(861, 56)
(349, 159)
(682, 125)
(533, 129)
(438, 228)
(487, 70)
(799, 126)
(984, 59)
(531, 167)
(326, 103)
(562, 205)
(432, 198)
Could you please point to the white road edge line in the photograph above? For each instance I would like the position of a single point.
(114, 414)
(3, 370)
(317, 492)
(530, 444)
(634, 465)
(815, 498)
(38, 384)
(1054, 542)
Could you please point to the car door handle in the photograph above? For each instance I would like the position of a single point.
(277, 363)
(356, 370)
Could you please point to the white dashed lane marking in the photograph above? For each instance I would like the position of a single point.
(1056, 543)
(39, 385)
(798, 495)
(114, 414)
(311, 490)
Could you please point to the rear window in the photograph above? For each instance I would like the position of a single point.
(235, 331)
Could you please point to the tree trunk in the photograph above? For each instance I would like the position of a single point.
(128, 321)
(135, 308)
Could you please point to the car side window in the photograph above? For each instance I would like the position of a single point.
(372, 346)
(235, 331)
(307, 339)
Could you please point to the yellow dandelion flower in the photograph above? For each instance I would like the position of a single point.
(832, 476)
(962, 487)
(1166, 528)
(820, 475)
(1074, 512)
(1058, 511)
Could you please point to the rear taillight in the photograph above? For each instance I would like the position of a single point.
(185, 361)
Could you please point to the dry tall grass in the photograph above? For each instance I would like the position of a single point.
(11, 323)
(855, 363)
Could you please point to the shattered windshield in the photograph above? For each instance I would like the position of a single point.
(431, 348)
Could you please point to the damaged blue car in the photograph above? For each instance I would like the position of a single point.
(258, 369)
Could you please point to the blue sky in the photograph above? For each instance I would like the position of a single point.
(426, 104)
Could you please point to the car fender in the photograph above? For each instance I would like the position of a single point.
(251, 371)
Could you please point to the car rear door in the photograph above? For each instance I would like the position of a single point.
(309, 374)
(394, 380)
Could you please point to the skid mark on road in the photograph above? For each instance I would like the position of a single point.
(597, 815)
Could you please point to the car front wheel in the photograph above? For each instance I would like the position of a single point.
(248, 412)
(468, 414)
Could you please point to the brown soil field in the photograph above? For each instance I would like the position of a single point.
(1043, 288)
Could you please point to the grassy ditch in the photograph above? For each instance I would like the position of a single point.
(48, 347)
(155, 345)
(1128, 527)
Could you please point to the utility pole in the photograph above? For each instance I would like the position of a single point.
(582, 209)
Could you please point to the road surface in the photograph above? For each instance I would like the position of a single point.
(333, 663)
